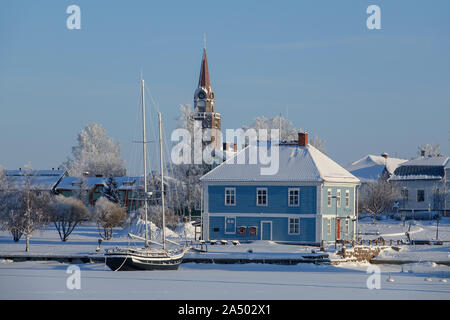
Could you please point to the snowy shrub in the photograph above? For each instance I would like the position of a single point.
(23, 213)
(66, 213)
(377, 197)
(108, 215)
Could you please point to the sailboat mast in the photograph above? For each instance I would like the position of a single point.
(162, 183)
(144, 149)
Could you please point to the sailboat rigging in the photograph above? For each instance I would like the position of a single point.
(147, 258)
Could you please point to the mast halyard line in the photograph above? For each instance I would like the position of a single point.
(144, 147)
(162, 182)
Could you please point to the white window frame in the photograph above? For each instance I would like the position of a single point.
(267, 197)
(338, 198)
(329, 197)
(347, 198)
(289, 226)
(298, 197)
(233, 190)
(347, 226)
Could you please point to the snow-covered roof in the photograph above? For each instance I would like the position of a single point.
(42, 173)
(371, 167)
(302, 164)
(123, 183)
(422, 168)
(428, 161)
(74, 183)
(42, 180)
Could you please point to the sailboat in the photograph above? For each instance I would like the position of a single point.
(147, 258)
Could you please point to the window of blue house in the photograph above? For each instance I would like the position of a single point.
(347, 198)
(293, 197)
(329, 197)
(261, 197)
(338, 198)
(294, 226)
(230, 196)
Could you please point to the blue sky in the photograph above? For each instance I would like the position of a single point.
(315, 62)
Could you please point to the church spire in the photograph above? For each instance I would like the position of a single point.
(203, 81)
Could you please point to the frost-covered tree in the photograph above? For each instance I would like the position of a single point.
(111, 191)
(23, 210)
(377, 197)
(108, 215)
(66, 213)
(186, 194)
(95, 153)
(428, 150)
(287, 130)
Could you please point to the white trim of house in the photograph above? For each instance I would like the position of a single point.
(289, 226)
(333, 215)
(265, 215)
(298, 196)
(225, 200)
(267, 183)
(225, 224)
(340, 184)
(267, 196)
(319, 193)
(206, 212)
(262, 230)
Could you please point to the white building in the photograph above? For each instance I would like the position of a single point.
(371, 167)
(424, 184)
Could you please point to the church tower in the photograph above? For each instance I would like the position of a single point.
(204, 105)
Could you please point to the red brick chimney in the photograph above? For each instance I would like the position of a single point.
(302, 139)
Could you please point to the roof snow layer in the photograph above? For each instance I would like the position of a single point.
(296, 164)
(371, 167)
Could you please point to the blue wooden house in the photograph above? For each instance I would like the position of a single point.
(310, 198)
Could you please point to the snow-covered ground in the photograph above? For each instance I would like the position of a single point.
(47, 280)
(395, 230)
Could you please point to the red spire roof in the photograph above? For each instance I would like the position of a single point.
(203, 80)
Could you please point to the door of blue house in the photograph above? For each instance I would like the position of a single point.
(266, 230)
(230, 225)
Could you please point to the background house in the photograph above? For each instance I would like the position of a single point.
(309, 199)
(372, 168)
(38, 180)
(90, 189)
(423, 183)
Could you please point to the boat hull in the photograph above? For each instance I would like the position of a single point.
(118, 262)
